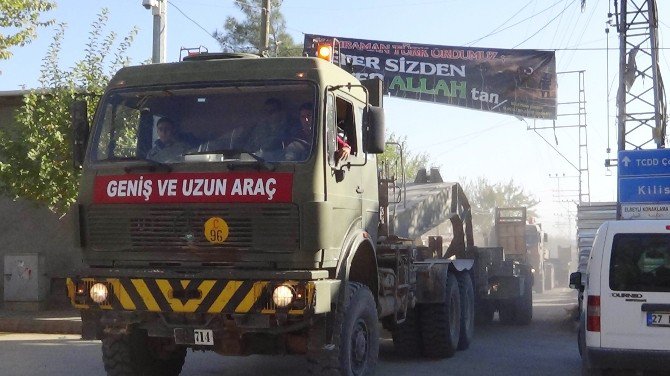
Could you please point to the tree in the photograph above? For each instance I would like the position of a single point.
(390, 159)
(485, 196)
(20, 19)
(37, 157)
(244, 36)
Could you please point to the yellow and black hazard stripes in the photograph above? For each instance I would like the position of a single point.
(174, 295)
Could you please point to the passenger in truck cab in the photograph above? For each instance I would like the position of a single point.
(271, 132)
(167, 148)
(300, 136)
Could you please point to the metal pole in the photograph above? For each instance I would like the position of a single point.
(658, 116)
(621, 93)
(265, 28)
(159, 12)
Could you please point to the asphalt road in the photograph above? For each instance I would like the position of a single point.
(546, 347)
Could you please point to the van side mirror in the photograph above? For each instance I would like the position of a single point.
(545, 237)
(373, 141)
(80, 129)
(576, 281)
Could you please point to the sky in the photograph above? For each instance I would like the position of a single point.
(465, 144)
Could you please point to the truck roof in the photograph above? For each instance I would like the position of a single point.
(233, 69)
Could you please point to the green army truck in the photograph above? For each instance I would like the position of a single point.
(242, 249)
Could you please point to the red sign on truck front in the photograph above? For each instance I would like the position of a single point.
(193, 188)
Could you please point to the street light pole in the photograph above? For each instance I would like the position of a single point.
(159, 11)
(265, 28)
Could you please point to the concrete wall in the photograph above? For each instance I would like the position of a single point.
(28, 228)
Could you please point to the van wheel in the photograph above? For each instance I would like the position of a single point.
(355, 342)
(441, 323)
(137, 354)
(407, 336)
(588, 369)
(467, 297)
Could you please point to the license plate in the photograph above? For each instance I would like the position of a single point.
(203, 337)
(188, 336)
(658, 318)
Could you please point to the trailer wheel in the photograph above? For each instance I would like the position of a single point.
(467, 297)
(407, 336)
(441, 323)
(136, 354)
(355, 342)
(524, 305)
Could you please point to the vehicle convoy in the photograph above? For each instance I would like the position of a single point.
(505, 269)
(238, 246)
(625, 319)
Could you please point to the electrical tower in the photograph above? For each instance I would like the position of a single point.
(641, 117)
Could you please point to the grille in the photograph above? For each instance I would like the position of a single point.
(150, 228)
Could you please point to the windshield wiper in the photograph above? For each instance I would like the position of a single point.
(151, 166)
(237, 154)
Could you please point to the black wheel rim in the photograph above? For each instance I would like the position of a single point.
(360, 343)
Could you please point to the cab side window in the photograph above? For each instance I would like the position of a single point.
(341, 120)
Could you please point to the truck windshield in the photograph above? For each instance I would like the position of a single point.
(207, 124)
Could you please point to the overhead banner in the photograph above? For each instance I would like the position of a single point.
(514, 82)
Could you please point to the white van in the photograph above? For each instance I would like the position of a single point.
(625, 318)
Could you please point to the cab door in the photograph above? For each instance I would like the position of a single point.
(635, 286)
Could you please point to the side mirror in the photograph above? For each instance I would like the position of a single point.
(576, 281)
(374, 141)
(545, 237)
(80, 129)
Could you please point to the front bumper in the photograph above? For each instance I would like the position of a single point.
(605, 358)
(165, 293)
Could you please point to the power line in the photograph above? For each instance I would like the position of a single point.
(525, 19)
(545, 25)
(192, 20)
(501, 25)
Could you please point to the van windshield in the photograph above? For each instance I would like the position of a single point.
(272, 122)
(640, 262)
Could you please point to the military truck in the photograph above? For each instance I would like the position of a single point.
(241, 250)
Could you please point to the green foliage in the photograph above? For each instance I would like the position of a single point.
(244, 36)
(19, 20)
(37, 157)
(390, 159)
(485, 196)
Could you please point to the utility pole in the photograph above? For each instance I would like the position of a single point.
(641, 105)
(265, 28)
(159, 12)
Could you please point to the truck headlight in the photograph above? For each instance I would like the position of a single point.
(99, 292)
(283, 296)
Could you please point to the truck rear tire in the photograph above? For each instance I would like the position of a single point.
(441, 323)
(524, 305)
(355, 337)
(467, 297)
(134, 354)
(507, 311)
(484, 312)
(407, 336)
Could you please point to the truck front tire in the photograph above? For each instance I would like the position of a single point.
(136, 354)
(355, 342)
(441, 323)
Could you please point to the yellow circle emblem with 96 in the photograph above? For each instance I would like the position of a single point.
(216, 230)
